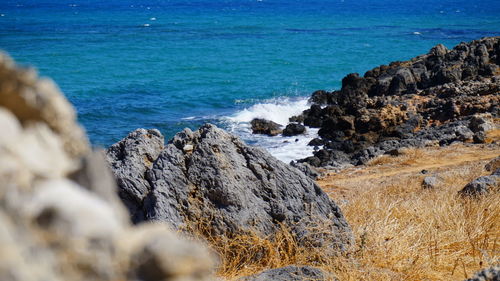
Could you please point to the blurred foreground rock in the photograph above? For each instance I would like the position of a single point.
(60, 218)
(211, 181)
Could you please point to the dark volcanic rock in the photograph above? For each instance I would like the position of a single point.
(129, 159)
(211, 177)
(266, 127)
(288, 273)
(408, 103)
(294, 129)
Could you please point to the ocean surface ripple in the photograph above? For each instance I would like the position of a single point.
(175, 64)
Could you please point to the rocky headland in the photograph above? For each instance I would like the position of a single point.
(434, 99)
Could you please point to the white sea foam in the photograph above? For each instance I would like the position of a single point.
(278, 110)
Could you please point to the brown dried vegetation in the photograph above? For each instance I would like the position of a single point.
(402, 231)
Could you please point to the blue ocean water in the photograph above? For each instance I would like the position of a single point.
(174, 64)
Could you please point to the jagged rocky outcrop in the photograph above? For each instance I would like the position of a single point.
(60, 218)
(210, 178)
(443, 96)
(290, 273)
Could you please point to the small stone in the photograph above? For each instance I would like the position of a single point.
(430, 182)
(493, 165)
(481, 186)
(188, 148)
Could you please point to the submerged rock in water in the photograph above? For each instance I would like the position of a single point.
(60, 218)
(294, 129)
(266, 127)
(230, 188)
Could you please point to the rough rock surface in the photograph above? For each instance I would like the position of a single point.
(482, 185)
(493, 165)
(288, 273)
(60, 218)
(487, 274)
(307, 169)
(232, 188)
(129, 160)
(443, 96)
(266, 127)
(430, 182)
(294, 129)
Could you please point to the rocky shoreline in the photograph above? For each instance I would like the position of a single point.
(142, 209)
(434, 99)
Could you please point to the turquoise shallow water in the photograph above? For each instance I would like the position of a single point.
(176, 64)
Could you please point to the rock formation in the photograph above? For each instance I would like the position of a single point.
(443, 96)
(212, 178)
(266, 127)
(289, 273)
(485, 184)
(60, 218)
(294, 129)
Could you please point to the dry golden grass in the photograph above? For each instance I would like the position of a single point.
(402, 231)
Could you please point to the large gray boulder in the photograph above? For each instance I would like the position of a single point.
(289, 273)
(212, 179)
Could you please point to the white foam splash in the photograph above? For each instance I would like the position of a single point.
(278, 110)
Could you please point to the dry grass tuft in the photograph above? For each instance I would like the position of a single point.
(402, 231)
